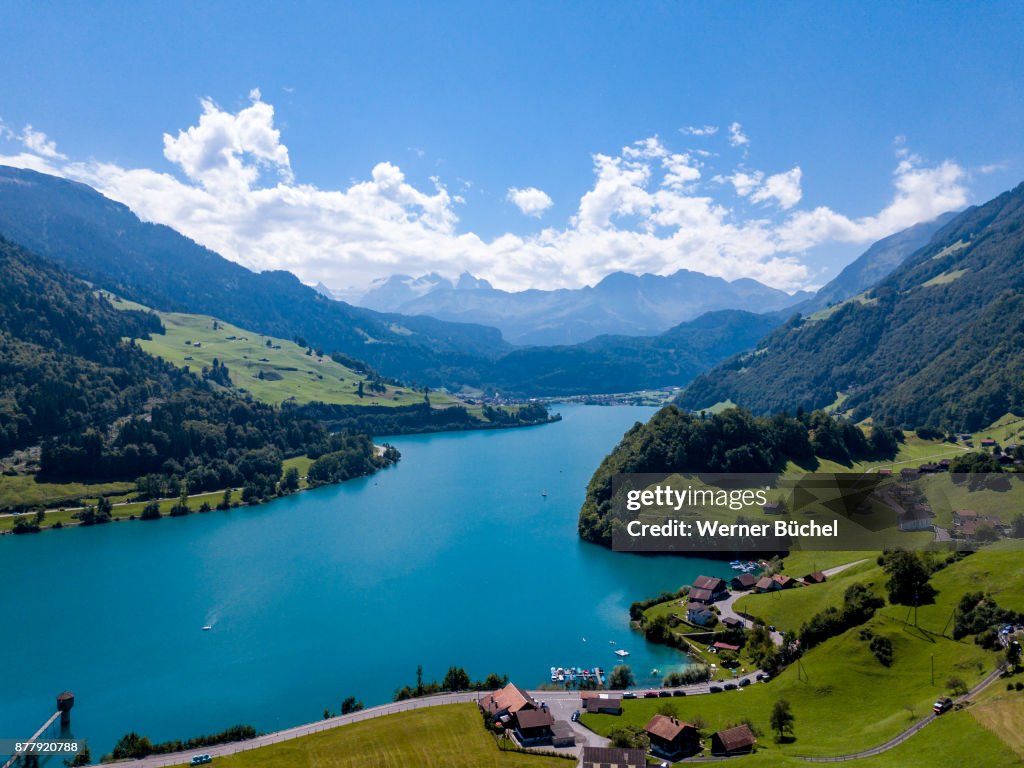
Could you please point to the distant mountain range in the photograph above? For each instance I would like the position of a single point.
(621, 304)
(939, 341)
(103, 242)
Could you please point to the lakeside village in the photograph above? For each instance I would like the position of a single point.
(724, 646)
(706, 606)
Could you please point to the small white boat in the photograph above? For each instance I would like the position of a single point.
(544, 493)
(622, 653)
(207, 628)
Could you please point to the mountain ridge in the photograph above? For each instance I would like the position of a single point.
(939, 341)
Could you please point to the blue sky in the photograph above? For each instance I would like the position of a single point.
(889, 114)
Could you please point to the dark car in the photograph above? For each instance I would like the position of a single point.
(730, 686)
(629, 695)
(941, 705)
(664, 694)
(678, 693)
(744, 682)
(715, 689)
(575, 715)
(651, 695)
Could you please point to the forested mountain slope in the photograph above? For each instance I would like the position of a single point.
(940, 341)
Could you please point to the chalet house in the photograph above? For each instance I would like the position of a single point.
(916, 517)
(885, 472)
(717, 587)
(944, 463)
(766, 584)
(930, 468)
(533, 726)
(562, 734)
(731, 622)
(602, 703)
(969, 529)
(743, 582)
(733, 741)
(774, 508)
(720, 646)
(672, 738)
(818, 577)
(784, 581)
(909, 473)
(698, 613)
(961, 516)
(699, 595)
(612, 757)
(988, 442)
(508, 701)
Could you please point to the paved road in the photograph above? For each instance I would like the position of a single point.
(561, 703)
(895, 742)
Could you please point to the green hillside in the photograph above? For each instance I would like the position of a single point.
(841, 682)
(288, 372)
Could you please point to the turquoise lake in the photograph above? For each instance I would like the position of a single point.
(453, 557)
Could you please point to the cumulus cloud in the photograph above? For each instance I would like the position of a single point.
(531, 201)
(737, 138)
(650, 208)
(783, 188)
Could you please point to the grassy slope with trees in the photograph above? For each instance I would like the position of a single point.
(728, 441)
(842, 680)
(104, 410)
(940, 341)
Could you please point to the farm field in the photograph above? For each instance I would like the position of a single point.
(450, 736)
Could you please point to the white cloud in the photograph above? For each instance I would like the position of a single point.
(649, 209)
(784, 188)
(737, 138)
(37, 143)
(699, 130)
(993, 168)
(531, 201)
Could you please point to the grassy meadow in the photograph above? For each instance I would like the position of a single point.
(450, 736)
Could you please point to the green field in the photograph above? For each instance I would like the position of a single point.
(843, 698)
(954, 739)
(118, 493)
(194, 341)
(436, 737)
(789, 609)
(25, 491)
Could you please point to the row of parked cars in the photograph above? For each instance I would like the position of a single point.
(730, 686)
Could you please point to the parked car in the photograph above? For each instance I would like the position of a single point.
(744, 682)
(575, 715)
(715, 689)
(201, 760)
(664, 694)
(651, 695)
(730, 686)
(678, 693)
(771, 627)
(941, 705)
(629, 695)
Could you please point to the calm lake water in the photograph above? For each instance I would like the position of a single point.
(451, 558)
